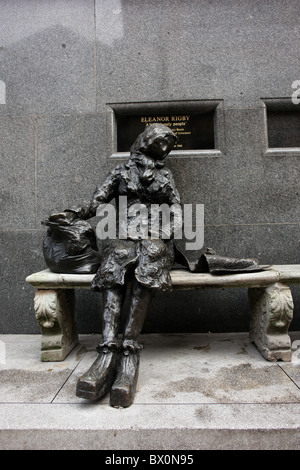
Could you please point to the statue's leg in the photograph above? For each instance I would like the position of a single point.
(97, 380)
(123, 389)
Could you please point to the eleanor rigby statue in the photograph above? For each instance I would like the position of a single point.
(145, 262)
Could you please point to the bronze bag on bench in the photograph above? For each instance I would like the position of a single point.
(70, 246)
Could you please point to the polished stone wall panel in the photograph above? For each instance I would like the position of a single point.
(66, 64)
(18, 173)
(47, 56)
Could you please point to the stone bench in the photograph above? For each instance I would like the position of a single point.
(270, 299)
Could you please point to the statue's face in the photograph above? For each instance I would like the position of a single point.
(160, 146)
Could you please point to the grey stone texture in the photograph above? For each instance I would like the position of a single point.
(65, 64)
(18, 181)
(68, 160)
(195, 391)
(47, 56)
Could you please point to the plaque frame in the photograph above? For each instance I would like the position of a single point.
(278, 105)
(113, 110)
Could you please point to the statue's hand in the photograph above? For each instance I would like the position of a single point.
(62, 218)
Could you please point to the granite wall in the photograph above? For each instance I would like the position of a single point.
(67, 66)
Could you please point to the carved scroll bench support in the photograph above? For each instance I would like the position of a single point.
(271, 314)
(270, 299)
(54, 310)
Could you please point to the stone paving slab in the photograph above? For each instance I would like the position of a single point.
(159, 427)
(195, 391)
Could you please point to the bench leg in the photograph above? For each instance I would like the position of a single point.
(54, 311)
(271, 315)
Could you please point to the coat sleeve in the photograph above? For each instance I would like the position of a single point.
(173, 199)
(172, 192)
(104, 193)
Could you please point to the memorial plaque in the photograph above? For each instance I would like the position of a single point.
(195, 131)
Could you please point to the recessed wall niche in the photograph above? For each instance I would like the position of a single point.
(283, 124)
(198, 125)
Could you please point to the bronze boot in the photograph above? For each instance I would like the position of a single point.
(123, 389)
(96, 382)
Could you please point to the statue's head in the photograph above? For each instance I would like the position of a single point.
(156, 141)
